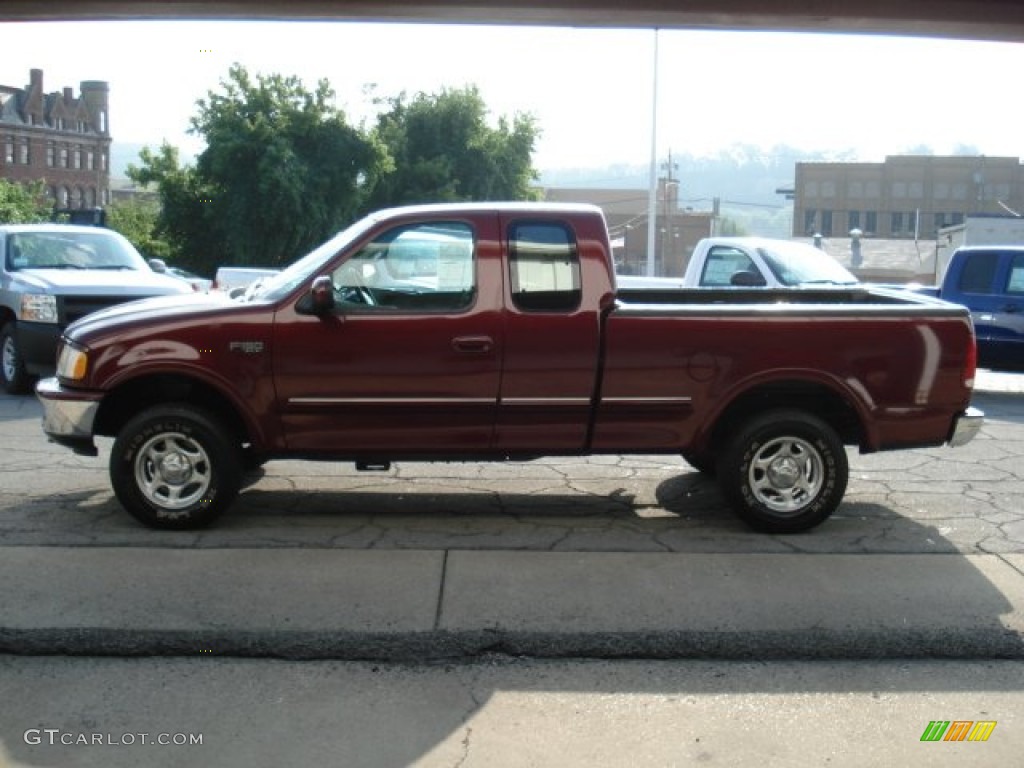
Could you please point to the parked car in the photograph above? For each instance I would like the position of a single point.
(750, 262)
(199, 284)
(234, 280)
(989, 281)
(54, 274)
(493, 331)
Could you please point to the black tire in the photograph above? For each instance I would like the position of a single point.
(16, 379)
(784, 472)
(705, 463)
(175, 467)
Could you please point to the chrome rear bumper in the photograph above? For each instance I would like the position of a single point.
(966, 426)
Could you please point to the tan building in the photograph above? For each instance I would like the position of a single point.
(626, 211)
(58, 138)
(906, 197)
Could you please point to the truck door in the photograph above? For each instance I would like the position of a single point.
(1007, 329)
(551, 341)
(408, 362)
(991, 283)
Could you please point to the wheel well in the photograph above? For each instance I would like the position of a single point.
(134, 396)
(819, 400)
(6, 316)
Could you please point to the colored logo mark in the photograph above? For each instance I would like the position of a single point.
(958, 730)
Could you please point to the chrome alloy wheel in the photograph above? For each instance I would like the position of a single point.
(786, 474)
(173, 471)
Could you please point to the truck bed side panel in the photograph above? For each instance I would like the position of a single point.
(669, 372)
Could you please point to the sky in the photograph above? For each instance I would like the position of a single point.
(590, 90)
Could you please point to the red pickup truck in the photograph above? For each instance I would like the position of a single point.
(493, 332)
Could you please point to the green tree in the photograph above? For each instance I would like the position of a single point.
(185, 224)
(444, 150)
(281, 171)
(138, 220)
(23, 203)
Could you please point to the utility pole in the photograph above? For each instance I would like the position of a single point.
(669, 202)
(652, 211)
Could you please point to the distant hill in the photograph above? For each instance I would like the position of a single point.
(744, 178)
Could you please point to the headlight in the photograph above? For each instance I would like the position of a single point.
(39, 307)
(72, 362)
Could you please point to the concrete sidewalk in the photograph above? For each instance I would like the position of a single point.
(402, 604)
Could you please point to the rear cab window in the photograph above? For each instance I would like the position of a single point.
(979, 273)
(544, 267)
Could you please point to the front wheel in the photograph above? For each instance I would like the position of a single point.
(16, 379)
(784, 472)
(175, 467)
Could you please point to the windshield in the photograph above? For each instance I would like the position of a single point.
(801, 264)
(286, 281)
(71, 250)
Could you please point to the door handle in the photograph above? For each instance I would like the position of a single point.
(478, 344)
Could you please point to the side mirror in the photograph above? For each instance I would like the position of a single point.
(747, 279)
(321, 295)
(158, 265)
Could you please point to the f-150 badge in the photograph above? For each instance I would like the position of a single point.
(248, 347)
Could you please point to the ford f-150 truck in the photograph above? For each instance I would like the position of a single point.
(492, 332)
(989, 281)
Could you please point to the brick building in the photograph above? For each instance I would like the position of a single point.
(59, 139)
(906, 197)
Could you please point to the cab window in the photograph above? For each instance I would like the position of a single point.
(722, 263)
(1015, 283)
(427, 267)
(979, 272)
(544, 267)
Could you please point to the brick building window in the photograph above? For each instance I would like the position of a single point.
(51, 154)
(896, 222)
(90, 160)
(871, 222)
(826, 223)
(853, 219)
(63, 157)
(9, 151)
(76, 158)
(62, 197)
(810, 221)
(24, 153)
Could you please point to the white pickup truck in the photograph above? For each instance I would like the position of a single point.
(747, 262)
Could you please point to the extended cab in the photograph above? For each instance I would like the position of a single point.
(494, 331)
(750, 262)
(989, 281)
(53, 274)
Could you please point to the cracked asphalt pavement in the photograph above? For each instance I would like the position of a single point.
(940, 500)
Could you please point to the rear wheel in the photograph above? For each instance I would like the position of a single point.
(784, 472)
(16, 379)
(175, 467)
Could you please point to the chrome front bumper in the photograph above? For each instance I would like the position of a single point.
(68, 416)
(966, 426)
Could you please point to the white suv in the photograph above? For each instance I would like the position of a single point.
(53, 274)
